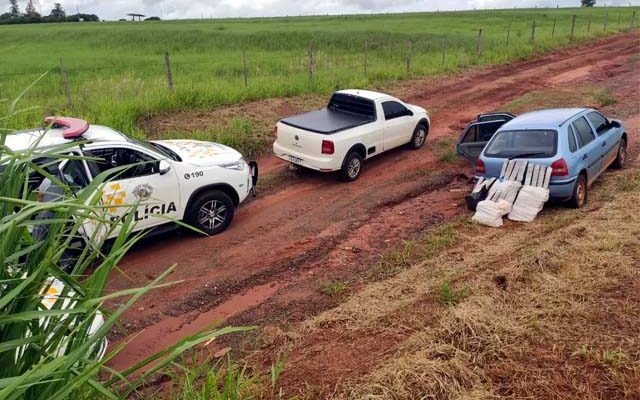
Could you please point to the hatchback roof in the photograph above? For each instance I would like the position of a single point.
(543, 119)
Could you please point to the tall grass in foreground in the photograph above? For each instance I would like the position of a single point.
(51, 347)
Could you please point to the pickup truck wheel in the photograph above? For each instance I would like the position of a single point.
(211, 212)
(419, 137)
(621, 158)
(352, 167)
(580, 196)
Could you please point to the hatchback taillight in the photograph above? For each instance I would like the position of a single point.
(327, 147)
(480, 168)
(559, 168)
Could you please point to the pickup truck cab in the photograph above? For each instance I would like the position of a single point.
(577, 143)
(355, 125)
(159, 181)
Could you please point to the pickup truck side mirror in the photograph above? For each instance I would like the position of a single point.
(163, 167)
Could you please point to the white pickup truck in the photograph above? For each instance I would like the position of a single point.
(355, 125)
(159, 181)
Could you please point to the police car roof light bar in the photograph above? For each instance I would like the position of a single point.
(74, 127)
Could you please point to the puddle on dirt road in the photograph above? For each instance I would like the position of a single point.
(172, 329)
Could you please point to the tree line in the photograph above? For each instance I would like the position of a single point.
(32, 16)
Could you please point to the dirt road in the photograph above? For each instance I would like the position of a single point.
(284, 246)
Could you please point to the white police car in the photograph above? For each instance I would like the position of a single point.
(198, 182)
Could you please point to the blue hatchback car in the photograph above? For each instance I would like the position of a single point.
(578, 143)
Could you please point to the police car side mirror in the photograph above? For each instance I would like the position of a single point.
(163, 167)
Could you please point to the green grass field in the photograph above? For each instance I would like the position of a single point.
(116, 70)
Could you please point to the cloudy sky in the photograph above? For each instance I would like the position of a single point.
(176, 9)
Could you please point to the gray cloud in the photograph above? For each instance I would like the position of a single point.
(176, 9)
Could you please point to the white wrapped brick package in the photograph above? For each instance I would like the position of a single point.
(490, 213)
(529, 203)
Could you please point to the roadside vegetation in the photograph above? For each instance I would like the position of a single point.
(116, 71)
(53, 328)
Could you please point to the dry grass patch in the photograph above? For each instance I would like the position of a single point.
(549, 309)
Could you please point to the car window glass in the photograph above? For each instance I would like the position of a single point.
(598, 121)
(521, 144)
(74, 175)
(573, 147)
(393, 109)
(585, 134)
(140, 164)
(470, 136)
(486, 131)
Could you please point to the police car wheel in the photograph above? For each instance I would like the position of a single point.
(211, 213)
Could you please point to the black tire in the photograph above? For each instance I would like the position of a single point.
(419, 137)
(621, 158)
(211, 212)
(352, 167)
(580, 192)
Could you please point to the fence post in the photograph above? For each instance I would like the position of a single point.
(167, 67)
(409, 56)
(533, 31)
(444, 48)
(633, 18)
(244, 66)
(366, 55)
(65, 83)
(589, 24)
(479, 43)
(573, 26)
(508, 33)
(606, 20)
(311, 62)
(553, 31)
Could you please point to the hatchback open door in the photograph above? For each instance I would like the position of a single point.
(475, 137)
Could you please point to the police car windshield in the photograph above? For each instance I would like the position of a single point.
(156, 147)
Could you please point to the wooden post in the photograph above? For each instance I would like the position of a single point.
(606, 20)
(633, 18)
(553, 31)
(573, 26)
(366, 55)
(311, 62)
(479, 43)
(409, 57)
(167, 67)
(533, 31)
(65, 83)
(508, 33)
(444, 48)
(244, 66)
(589, 24)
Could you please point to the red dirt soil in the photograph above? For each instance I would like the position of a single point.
(282, 247)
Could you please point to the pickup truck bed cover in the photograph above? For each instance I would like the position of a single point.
(327, 121)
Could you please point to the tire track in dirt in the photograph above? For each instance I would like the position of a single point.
(291, 240)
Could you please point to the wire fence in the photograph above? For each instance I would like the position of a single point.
(413, 56)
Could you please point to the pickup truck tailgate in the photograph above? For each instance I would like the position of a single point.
(299, 142)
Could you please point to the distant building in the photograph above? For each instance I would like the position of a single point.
(134, 16)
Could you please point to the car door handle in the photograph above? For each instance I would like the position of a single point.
(584, 157)
(604, 144)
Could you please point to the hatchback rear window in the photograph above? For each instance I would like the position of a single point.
(523, 144)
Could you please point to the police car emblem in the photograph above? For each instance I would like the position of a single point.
(143, 191)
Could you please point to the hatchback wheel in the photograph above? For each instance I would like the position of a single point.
(212, 212)
(621, 158)
(580, 192)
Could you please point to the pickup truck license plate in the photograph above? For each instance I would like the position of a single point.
(296, 160)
